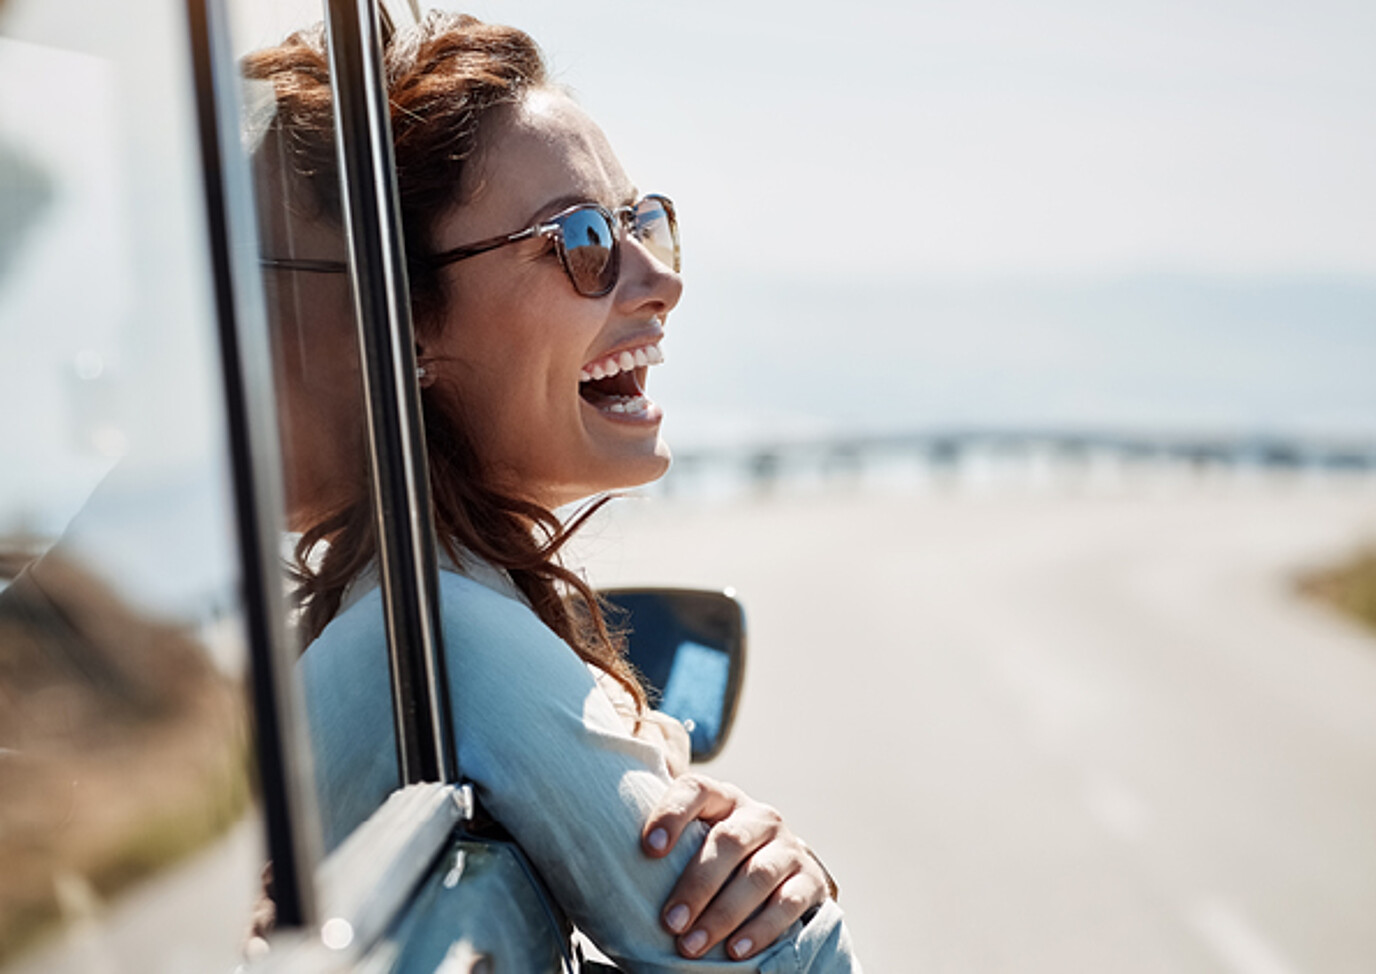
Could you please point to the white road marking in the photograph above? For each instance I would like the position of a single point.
(1233, 940)
(1118, 810)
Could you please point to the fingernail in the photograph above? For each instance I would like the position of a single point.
(742, 947)
(658, 840)
(695, 941)
(677, 918)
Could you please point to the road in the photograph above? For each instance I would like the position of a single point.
(1053, 731)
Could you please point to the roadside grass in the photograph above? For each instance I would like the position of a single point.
(126, 750)
(180, 812)
(1349, 586)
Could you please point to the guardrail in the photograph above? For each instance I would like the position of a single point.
(1057, 454)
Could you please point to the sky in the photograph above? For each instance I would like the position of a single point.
(989, 139)
(976, 140)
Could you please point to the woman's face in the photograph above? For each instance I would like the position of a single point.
(517, 337)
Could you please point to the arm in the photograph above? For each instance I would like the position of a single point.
(554, 763)
(751, 879)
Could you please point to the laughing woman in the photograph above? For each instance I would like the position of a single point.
(542, 283)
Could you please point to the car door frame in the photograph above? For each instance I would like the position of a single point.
(335, 906)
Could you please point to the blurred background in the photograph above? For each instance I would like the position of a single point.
(1021, 388)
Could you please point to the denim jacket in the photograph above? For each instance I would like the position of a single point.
(550, 758)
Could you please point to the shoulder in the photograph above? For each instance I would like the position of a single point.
(475, 613)
(497, 651)
(466, 604)
(350, 638)
(491, 630)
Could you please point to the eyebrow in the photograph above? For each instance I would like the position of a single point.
(560, 203)
(556, 205)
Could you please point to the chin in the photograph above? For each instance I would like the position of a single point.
(622, 473)
(636, 471)
(660, 464)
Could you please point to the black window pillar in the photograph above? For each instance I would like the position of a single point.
(406, 544)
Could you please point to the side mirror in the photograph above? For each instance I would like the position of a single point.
(689, 645)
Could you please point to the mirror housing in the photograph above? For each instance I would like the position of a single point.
(689, 645)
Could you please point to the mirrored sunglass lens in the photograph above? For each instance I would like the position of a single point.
(654, 227)
(588, 250)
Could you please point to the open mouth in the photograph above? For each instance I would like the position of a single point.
(616, 384)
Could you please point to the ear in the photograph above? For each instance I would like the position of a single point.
(425, 369)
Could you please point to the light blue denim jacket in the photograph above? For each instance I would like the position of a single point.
(551, 760)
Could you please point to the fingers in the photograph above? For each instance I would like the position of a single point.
(744, 860)
(789, 901)
(756, 882)
(728, 844)
(749, 882)
(753, 879)
(688, 798)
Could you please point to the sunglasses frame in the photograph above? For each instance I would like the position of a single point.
(305, 264)
(616, 220)
(620, 221)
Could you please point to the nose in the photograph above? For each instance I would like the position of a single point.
(646, 283)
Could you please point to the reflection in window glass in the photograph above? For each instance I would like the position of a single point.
(125, 779)
(289, 135)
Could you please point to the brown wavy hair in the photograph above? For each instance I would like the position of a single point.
(446, 78)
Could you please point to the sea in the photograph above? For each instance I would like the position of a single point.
(756, 358)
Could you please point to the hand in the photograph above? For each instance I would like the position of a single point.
(749, 861)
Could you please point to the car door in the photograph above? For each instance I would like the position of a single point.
(402, 884)
(131, 821)
(156, 796)
(176, 366)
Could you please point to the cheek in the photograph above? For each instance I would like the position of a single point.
(515, 347)
(509, 390)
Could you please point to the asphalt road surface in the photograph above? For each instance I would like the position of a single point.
(1053, 731)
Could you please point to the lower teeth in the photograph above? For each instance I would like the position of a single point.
(635, 404)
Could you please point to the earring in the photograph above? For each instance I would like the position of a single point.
(420, 372)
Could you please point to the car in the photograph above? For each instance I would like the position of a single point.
(157, 809)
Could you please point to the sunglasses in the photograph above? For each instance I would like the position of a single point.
(587, 238)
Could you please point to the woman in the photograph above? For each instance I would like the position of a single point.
(541, 282)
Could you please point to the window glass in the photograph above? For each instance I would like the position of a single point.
(289, 139)
(128, 830)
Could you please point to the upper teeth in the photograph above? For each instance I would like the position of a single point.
(622, 362)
